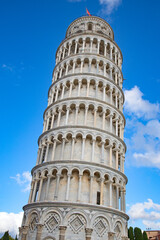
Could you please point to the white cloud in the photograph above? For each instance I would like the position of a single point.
(152, 225)
(142, 129)
(24, 180)
(148, 159)
(136, 105)
(109, 5)
(11, 222)
(148, 212)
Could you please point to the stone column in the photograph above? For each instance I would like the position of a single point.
(117, 197)
(79, 188)
(91, 189)
(116, 77)
(75, 51)
(66, 72)
(88, 233)
(111, 75)
(111, 116)
(63, 88)
(40, 189)
(111, 48)
(63, 146)
(69, 50)
(101, 193)
(38, 155)
(72, 150)
(90, 65)
(54, 149)
(44, 126)
(24, 232)
(98, 45)
(70, 89)
(85, 117)
(59, 117)
(110, 193)
(48, 184)
(68, 186)
(31, 192)
(102, 152)
(81, 65)
(52, 122)
(83, 46)
(110, 155)
(76, 114)
(39, 231)
(73, 69)
(115, 57)
(60, 75)
(104, 69)
(97, 67)
(91, 46)
(62, 230)
(83, 148)
(116, 99)
(47, 149)
(93, 147)
(116, 158)
(64, 49)
(96, 92)
(95, 116)
(104, 93)
(57, 186)
(110, 90)
(105, 49)
(34, 189)
(104, 117)
(124, 201)
(88, 84)
(57, 90)
(121, 194)
(42, 151)
(79, 88)
(67, 115)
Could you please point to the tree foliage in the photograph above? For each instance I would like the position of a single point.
(6, 236)
(138, 234)
(130, 233)
(145, 236)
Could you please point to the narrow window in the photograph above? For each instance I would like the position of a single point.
(98, 198)
(44, 153)
(90, 26)
(36, 194)
(49, 125)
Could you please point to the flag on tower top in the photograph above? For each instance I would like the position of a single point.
(88, 12)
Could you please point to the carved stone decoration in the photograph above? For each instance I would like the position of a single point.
(52, 222)
(77, 223)
(100, 226)
(33, 222)
(118, 231)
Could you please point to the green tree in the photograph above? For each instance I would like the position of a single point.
(145, 236)
(130, 233)
(5, 236)
(138, 234)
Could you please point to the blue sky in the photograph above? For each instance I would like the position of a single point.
(30, 33)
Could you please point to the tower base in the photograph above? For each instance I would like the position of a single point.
(72, 221)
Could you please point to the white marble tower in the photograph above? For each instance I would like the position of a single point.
(78, 184)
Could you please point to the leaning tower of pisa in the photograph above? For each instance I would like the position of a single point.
(78, 184)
